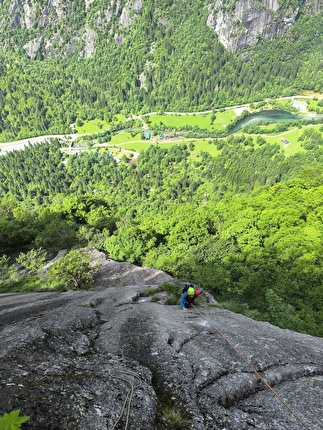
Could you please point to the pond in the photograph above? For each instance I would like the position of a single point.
(265, 116)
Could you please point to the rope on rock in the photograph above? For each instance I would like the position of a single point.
(125, 410)
(254, 370)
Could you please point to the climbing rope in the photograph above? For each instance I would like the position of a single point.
(254, 370)
(125, 409)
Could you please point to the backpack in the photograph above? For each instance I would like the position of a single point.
(186, 287)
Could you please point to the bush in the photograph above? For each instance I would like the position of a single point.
(33, 260)
(174, 419)
(12, 421)
(174, 292)
(72, 272)
(8, 274)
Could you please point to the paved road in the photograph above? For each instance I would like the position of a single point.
(21, 144)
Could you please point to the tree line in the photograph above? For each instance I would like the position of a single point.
(155, 68)
(246, 225)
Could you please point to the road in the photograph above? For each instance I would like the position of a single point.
(21, 144)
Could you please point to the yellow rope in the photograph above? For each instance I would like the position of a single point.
(128, 399)
(254, 370)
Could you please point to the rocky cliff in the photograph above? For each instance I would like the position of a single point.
(112, 359)
(240, 24)
(60, 28)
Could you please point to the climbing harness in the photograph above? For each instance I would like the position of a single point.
(254, 370)
(125, 410)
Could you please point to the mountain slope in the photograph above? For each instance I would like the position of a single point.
(70, 360)
(78, 26)
(63, 61)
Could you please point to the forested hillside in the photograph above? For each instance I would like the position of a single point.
(84, 61)
(246, 225)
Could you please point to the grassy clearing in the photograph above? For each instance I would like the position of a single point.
(125, 137)
(282, 104)
(132, 140)
(141, 146)
(175, 120)
(200, 145)
(93, 126)
(208, 121)
(204, 146)
(310, 93)
(136, 146)
(312, 106)
(292, 136)
(128, 142)
(225, 117)
(97, 125)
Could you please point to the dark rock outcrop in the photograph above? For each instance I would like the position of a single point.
(241, 24)
(76, 360)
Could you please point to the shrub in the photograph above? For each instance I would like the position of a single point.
(8, 274)
(12, 421)
(73, 271)
(33, 260)
(173, 291)
(174, 419)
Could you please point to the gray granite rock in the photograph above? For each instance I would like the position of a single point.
(241, 24)
(102, 360)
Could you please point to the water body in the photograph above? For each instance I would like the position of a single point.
(265, 117)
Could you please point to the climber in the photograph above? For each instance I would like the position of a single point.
(188, 297)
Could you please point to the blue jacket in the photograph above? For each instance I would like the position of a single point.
(186, 298)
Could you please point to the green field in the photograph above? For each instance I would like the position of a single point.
(294, 146)
(93, 126)
(125, 137)
(130, 142)
(199, 146)
(205, 121)
(127, 142)
(291, 136)
(314, 107)
(211, 121)
(282, 104)
(97, 125)
(203, 146)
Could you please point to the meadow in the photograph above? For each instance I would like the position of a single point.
(97, 125)
(155, 123)
(205, 121)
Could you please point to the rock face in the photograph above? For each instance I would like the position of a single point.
(240, 24)
(112, 359)
(65, 24)
(60, 28)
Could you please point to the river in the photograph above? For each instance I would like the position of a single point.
(265, 116)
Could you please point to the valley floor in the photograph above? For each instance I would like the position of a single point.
(21, 144)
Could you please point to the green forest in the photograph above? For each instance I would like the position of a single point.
(243, 221)
(245, 225)
(178, 67)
